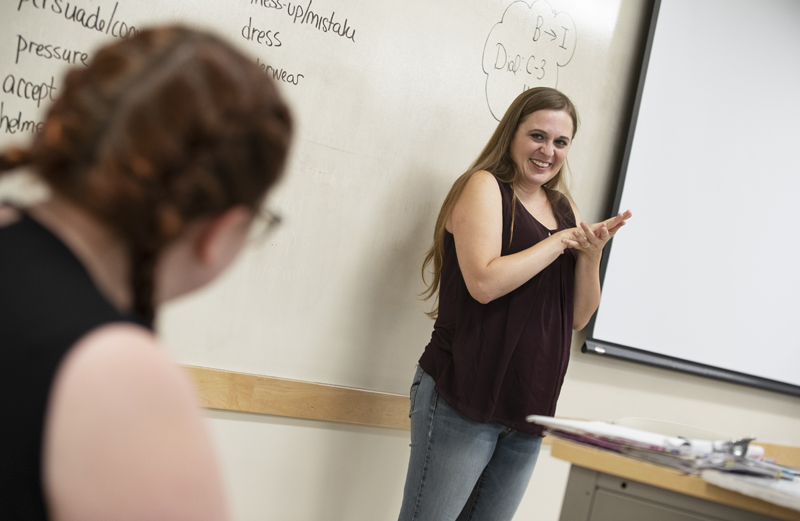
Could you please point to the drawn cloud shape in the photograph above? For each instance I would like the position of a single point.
(526, 49)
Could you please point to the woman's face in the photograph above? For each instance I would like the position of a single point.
(540, 145)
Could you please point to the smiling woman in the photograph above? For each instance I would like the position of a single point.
(514, 274)
(540, 148)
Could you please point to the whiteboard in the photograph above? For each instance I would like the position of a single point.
(393, 101)
(706, 273)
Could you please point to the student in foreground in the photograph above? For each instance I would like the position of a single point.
(515, 274)
(158, 156)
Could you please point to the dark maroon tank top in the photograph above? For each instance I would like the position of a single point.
(501, 361)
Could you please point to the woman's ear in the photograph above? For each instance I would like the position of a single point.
(221, 238)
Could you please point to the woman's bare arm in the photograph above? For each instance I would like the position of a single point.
(124, 437)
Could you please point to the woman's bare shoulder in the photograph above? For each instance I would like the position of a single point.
(481, 185)
(483, 178)
(119, 355)
(123, 428)
(481, 194)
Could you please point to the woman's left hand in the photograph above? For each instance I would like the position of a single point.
(588, 241)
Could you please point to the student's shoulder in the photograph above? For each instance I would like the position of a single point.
(118, 346)
(125, 359)
(123, 429)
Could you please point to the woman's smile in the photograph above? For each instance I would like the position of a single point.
(540, 145)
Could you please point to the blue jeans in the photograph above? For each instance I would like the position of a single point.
(461, 469)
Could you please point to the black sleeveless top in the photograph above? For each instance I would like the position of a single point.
(47, 303)
(501, 361)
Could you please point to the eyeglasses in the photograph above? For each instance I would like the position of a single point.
(264, 224)
(270, 218)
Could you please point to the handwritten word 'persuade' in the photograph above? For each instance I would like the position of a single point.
(93, 21)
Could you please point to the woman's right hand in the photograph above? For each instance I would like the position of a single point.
(593, 237)
(613, 224)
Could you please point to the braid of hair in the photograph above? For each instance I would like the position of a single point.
(143, 263)
(14, 158)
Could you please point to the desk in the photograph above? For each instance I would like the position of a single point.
(604, 486)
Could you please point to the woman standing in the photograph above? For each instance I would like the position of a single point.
(515, 275)
(158, 156)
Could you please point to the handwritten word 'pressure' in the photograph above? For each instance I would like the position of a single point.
(49, 51)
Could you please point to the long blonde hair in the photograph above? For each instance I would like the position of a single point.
(496, 158)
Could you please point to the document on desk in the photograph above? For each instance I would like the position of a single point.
(614, 434)
(783, 492)
(689, 456)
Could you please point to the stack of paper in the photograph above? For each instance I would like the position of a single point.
(783, 492)
(690, 456)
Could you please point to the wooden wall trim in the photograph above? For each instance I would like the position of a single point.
(243, 392)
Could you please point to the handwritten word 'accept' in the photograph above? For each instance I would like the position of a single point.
(29, 90)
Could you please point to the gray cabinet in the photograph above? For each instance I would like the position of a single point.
(596, 496)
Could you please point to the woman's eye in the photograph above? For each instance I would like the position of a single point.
(560, 143)
(537, 137)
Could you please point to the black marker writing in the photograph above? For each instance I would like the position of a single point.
(535, 66)
(14, 125)
(268, 4)
(324, 24)
(267, 37)
(93, 21)
(538, 30)
(280, 74)
(513, 64)
(502, 62)
(48, 51)
(25, 89)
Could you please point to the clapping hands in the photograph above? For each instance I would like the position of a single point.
(591, 238)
